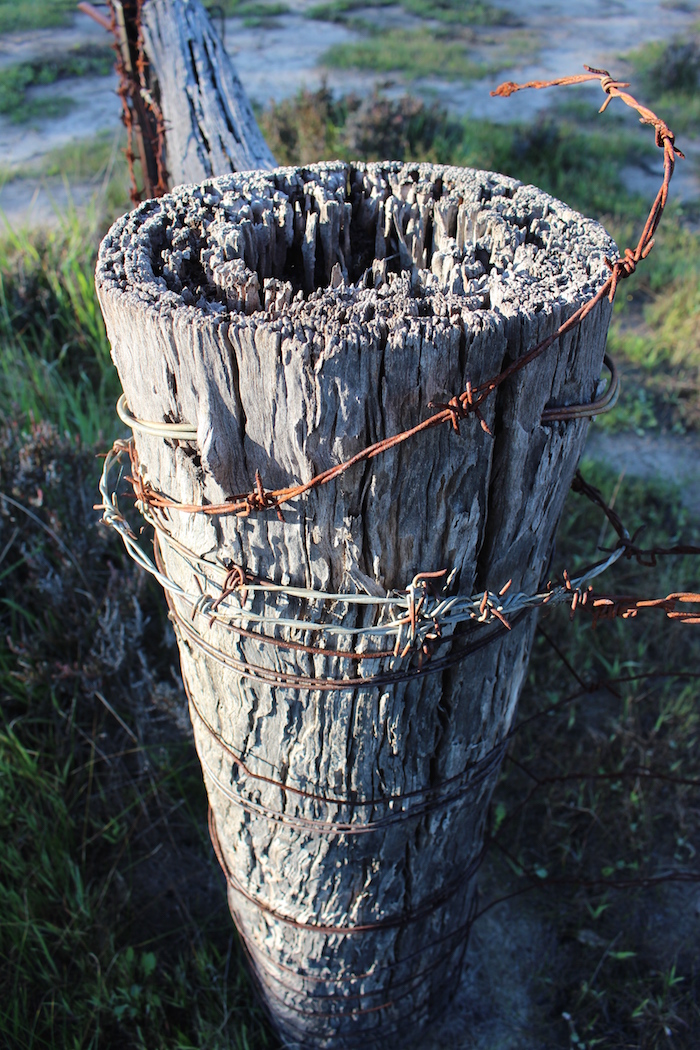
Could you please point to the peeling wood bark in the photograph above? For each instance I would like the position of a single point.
(295, 317)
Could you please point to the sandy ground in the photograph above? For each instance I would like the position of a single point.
(670, 456)
(275, 60)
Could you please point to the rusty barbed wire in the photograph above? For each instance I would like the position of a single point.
(539, 781)
(141, 114)
(644, 556)
(287, 680)
(578, 593)
(625, 606)
(149, 113)
(469, 402)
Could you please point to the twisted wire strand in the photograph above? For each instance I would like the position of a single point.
(587, 410)
(470, 400)
(369, 1035)
(423, 617)
(285, 679)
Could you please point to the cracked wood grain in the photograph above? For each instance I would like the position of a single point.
(208, 121)
(294, 317)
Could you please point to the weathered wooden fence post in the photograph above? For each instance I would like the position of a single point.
(184, 108)
(287, 320)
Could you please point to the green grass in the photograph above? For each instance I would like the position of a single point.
(417, 53)
(655, 332)
(454, 12)
(567, 152)
(670, 76)
(15, 81)
(54, 356)
(253, 12)
(624, 967)
(34, 14)
(113, 924)
(83, 160)
(98, 160)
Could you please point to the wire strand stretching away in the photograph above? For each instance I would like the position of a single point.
(187, 432)
(418, 620)
(471, 399)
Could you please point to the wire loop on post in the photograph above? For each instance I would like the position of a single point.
(179, 431)
(604, 403)
(410, 619)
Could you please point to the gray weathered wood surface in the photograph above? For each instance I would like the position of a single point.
(295, 317)
(209, 124)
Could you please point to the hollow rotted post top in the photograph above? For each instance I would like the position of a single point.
(324, 309)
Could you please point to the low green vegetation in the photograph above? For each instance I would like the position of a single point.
(35, 14)
(114, 929)
(418, 53)
(623, 968)
(567, 151)
(54, 356)
(253, 12)
(81, 160)
(655, 332)
(113, 923)
(670, 76)
(455, 12)
(555, 151)
(16, 80)
(656, 335)
(85, 160)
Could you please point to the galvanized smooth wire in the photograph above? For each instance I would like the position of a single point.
(462, 609)
(446, 612)
(179, 431)
(188, 432)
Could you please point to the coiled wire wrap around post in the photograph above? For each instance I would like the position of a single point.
(188, 432)
(605, 403)
(174, 431)
(408, 619)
